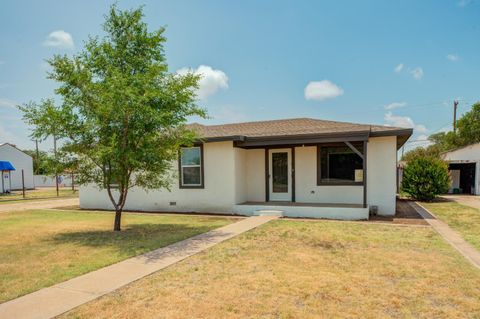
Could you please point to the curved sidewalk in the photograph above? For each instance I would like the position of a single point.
(53, 301)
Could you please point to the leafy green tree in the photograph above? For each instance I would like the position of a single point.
(429, 151)
(122, 114)
(41, 164)
(425, 177)
(468, 131)
(468, 126)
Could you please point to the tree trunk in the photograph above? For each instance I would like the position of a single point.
(118, 220)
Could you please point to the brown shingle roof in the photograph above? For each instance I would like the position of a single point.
(290, 127)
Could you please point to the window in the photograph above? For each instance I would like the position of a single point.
(191, 167)
(339, 165)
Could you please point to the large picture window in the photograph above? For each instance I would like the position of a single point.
(191, 167)
(339, 165)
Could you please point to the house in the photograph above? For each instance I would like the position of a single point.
(21, 161)
(464, 168)
(295, 167)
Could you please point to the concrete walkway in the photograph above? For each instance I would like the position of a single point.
(38, 204)
(452, 237)
(467, 200)
(60, 298)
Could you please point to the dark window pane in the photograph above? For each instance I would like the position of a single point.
(280, 172)
(191, 175)
(191, 156)
(340, 164)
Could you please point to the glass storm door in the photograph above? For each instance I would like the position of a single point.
(280, 177)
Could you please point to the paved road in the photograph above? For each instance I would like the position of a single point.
(38, 204)
(468, 200)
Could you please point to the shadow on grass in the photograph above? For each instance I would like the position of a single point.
(133, 239)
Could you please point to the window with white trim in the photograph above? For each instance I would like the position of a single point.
(191, 167)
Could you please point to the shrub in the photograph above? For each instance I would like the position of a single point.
(425, 177)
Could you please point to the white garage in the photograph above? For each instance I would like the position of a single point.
(464, 167)
(21, 161)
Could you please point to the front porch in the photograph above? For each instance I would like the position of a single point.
(322, 177)
(304, 210)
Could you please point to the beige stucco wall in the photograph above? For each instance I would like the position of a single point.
(234, 175)
(255, 175)
(240, 165)
(381, 173)
(218, 196)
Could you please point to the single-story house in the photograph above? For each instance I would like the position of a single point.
(295, 167)
(21, 161)
(464, 167)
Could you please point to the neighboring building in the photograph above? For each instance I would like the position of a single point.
(297, 167)
(21, 161)
(464, 167)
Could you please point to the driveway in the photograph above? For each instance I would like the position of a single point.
(468, 200)
(38, 204)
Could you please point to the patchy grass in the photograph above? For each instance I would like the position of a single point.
(39, 193)
(41, 248)
(307, 269)
(464, 219)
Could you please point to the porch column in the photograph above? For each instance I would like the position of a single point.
(365, 143)
(293, 174)
(267, 175)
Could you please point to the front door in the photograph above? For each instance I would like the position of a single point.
(280, 177)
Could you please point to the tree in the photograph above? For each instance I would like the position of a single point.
(469, 126)
(425, 177)
(468, 131)
(122, 114)
(41, 165)
(429, 151)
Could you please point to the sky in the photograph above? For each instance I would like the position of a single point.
(399, 63)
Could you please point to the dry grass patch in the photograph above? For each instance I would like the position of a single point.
(464, 219)
(41, 248)
(295, 269)
(37, 194)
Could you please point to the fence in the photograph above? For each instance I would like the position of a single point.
(44, 189)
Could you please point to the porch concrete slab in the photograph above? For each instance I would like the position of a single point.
(53, 301)
(451, 236)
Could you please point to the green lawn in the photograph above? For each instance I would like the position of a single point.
(464, 219)
(39, 193)
(40, 248)
(307, 269)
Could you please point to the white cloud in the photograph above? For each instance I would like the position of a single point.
(60, 39)
(399, 68)
(322, 90)
(417, 73)
(210, 82)
(395, 105)
(403, 121)
(453, 57)
(7, 103)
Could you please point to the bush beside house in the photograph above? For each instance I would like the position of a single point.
(425, 177)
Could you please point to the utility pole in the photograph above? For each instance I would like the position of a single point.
(455, 105)
(38, 157)
(56, 164)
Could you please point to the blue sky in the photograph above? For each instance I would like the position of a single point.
(378, 62)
